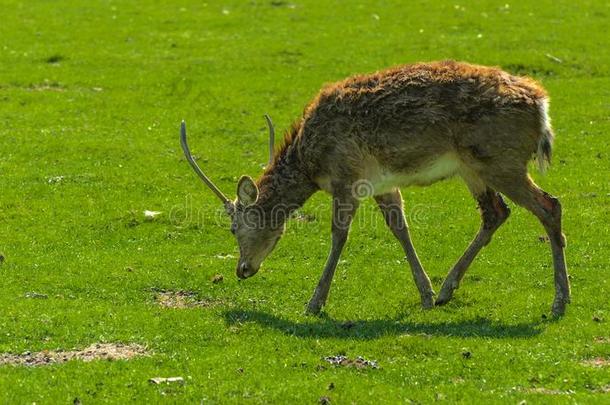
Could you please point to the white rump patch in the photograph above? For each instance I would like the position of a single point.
(544, 114)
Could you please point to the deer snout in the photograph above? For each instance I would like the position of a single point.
(244, 270)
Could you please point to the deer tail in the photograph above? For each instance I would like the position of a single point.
(545, 143)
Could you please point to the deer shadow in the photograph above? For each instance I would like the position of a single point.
(326, 327)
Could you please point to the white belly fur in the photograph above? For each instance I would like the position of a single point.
(384, 181)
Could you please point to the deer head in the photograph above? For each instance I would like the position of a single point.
(256, 235)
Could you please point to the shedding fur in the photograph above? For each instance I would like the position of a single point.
(406, 116)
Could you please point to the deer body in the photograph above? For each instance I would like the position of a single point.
(410, 125)
(417, 119)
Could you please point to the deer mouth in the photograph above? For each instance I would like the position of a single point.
(244, 271)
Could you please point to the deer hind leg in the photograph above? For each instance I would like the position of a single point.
(494, 212)
(344, 209)
(391, 207)
(523, 191)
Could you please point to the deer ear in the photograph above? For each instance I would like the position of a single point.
(247, 192)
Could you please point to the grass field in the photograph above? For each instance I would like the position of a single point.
(91, 97)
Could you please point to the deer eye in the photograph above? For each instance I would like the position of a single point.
(233, 229)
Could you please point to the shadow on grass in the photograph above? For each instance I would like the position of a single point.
(326, 327)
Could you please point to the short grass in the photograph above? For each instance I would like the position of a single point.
(91, 96)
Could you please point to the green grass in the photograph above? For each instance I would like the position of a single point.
(95, 91)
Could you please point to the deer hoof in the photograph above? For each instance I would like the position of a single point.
(559, 308)
(313, 308)
(444, 297)
(427, 301)
(446, 293)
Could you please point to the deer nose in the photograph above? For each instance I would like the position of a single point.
(244, 271)
(240, 270)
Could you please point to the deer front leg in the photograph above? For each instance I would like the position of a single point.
(390, 205)
(343, 212)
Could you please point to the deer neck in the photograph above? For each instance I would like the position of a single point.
(284, 187)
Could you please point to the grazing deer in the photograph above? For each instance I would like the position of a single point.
(409, 125)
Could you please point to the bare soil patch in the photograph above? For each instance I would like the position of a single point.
(36, 295)
(597, 362)
(166, 380)
(97, 351)
(358, 362)
(548, 391)
(181, 299)
(47, 86)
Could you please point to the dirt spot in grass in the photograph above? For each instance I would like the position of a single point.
(181, 299)
(597, 362)
(548, 391)
(47, 86)
(225, 257)
(166, 380)
(36, 295)
(55, 179)
(97, 351)
(344, 361)
(602, 339)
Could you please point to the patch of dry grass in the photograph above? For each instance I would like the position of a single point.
(97, 351)
(597, 362)
(182, 299)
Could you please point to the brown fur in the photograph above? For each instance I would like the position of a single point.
(415, 124)
(407, 115)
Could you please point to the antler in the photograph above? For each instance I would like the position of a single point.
(195, 167)
(271, 137)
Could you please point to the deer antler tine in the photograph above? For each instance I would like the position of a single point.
(189, 158)
(271, 137)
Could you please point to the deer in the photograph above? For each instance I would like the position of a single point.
(410, 125)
